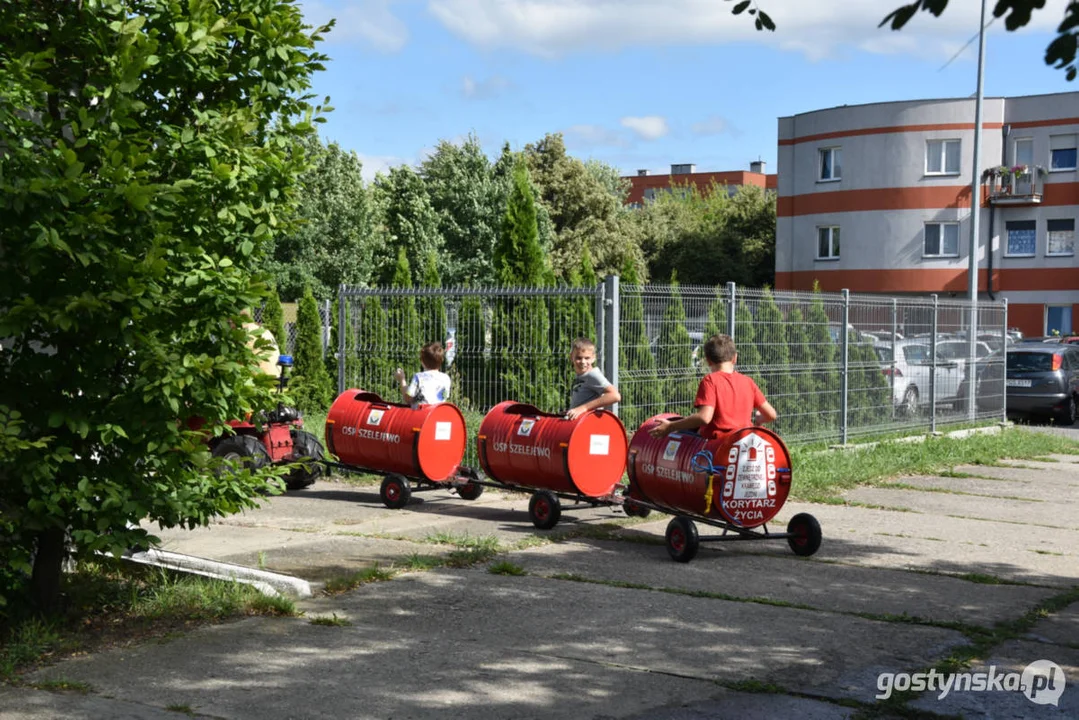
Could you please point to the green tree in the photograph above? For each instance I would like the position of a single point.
(273, 318)
(145, 169)
(826, 379)
(804, 403)
(367, 358)
(642, 396)
(432, 308)
(717, 314)
(335, 241)
(675, 355)
(310, 386)
(404, 322)
(469, 200)
(745, 339)
(772, 339)
(408, 221)
(334, 346)
(469, 371)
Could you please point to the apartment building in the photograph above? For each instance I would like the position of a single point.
(644, 186)
(876, 198)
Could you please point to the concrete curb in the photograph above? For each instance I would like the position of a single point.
(265, 582)
(955, 434)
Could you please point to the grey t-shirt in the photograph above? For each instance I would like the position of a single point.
(588, 386)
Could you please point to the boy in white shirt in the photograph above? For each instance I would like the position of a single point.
(430, 386)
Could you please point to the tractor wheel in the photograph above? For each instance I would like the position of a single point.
(469, 491)
(544, 509)
(682, 539)
(245, 451)
(806, 534)
(395, 491)
(308, 451)
(634, 509)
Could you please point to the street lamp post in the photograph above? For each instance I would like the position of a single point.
(975, 212)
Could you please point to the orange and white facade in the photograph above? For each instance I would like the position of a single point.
(876, 198)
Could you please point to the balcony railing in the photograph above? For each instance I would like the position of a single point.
(1015, 186)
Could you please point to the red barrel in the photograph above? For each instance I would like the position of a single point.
(519, 445)
(751, 481)
(365, 431)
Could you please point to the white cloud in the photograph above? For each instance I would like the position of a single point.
(649, 127)
(373, 164)
(368, 22)
(485, 89)
(552, 28)
(587, 136)
(713, 125)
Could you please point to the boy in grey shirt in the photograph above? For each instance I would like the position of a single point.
(590, 389)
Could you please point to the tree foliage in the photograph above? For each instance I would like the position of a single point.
(273, 318)
(311, 386)
(408, 221)
(334, 242)
(145, 166)
(403, 337)
(642, 396)
(675, 355)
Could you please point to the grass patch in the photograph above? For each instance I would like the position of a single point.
(418, 562)
(110, 602)
(463, 540)
(333, 621)
(506, 568)
(62, 686)
(821, 477)
(344, 583)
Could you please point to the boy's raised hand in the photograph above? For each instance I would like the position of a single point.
(660, 429)
(574, 413)
(399, 374)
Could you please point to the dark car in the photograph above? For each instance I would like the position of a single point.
(1043, 379)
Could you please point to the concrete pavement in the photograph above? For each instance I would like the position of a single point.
(602, 624)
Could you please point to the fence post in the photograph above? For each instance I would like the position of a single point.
(610, 326)
(341, 338)
(731, 308)
(600, 315)
(844, 375)
(895, 331)
(933, 370)
(1004, 364)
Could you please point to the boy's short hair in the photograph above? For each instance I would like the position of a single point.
(582, 343)
(720, 349)
(431, 355)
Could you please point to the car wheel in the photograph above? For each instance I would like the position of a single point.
(1067, 417)
(909, 406)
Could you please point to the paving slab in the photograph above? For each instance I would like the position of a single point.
(1025, 470)
(1026, 489)
(1035, 512)
(481, 645)
(1013, 657)
(789, 579)
(747, 706)
(1060, 628)
(31, 704)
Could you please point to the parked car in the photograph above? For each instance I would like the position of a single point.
(911, 374)
(1043, 380)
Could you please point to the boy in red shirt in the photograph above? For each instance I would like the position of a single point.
(725, 399)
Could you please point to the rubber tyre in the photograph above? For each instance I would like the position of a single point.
(545, 509)
(308, 450)
(635, 509)
(909, 407)
(682, 539)
(469, 491)
(1067, 417)
(245, 450)
(807, 535)
(395, 491)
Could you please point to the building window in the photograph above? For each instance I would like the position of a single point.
(831, 164)
(941, 239)
(1062, 152)
(1022, 238)
(942, 157)
(1060, 238)
(1058, 318)
(828, 243)
(1024, 151)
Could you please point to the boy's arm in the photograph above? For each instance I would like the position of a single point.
(766, 413)
(609, 397)
(700, 417)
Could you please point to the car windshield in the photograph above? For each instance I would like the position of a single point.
(1030, 362)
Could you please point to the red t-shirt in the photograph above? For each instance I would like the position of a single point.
(733, 396)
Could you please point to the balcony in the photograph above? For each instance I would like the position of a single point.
(1021, 185)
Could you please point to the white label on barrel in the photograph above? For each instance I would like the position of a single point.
(443, 430)
(752, 468)
(375, 417)
(526, 427)
(671, 450)
(599, 445)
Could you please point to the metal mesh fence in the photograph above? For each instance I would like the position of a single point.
(834, 365)
(288, 347)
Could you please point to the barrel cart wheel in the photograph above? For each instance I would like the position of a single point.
(469, 491)
(545, 509)
(633, 508)
(395, 491)
(682, 539)
(805, 534)
(308, 451)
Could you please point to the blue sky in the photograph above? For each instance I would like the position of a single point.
(640, 83)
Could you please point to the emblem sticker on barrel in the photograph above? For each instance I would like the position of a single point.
(752, 468)
(599, 444)
(443, 430)
(671, 451)
(375, 417)
(526, 427)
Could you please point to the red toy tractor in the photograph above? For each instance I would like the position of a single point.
(277, 438)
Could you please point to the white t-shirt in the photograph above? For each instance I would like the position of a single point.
(429, 387)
